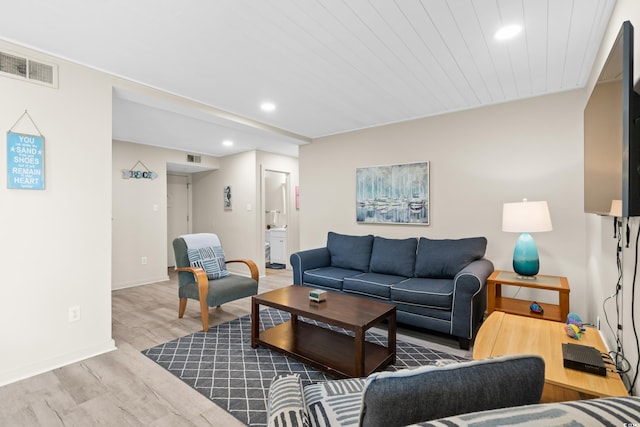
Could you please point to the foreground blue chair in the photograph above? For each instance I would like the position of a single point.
(400, 398)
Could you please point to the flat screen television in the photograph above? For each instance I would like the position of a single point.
(611, 137)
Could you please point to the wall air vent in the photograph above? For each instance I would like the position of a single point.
(12, 65)
(192, 158)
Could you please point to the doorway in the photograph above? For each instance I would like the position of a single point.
(178, 217)
(276, 219)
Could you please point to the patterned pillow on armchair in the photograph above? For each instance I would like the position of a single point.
(210, 259)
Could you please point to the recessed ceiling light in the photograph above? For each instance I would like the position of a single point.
(507, 32)
(227, 143)
(267, 106)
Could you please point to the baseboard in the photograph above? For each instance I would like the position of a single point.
(57, 362)
(116, 286)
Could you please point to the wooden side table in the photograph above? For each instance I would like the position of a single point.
(496, 302)
(502, 334)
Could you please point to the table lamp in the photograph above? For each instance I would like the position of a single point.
(616, 208)
(526, 217)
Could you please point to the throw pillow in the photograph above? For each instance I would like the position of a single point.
(350, 252)
(443, 259)
(389, 398)
(394, 256)
(210, 259)
(286, 402)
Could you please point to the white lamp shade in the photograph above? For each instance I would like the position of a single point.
(526, 217)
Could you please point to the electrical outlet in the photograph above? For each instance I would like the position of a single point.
(74, 313)
(598, 322)
(143, 260)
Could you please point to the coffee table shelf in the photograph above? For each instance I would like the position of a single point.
(322, 348)
(335, 352)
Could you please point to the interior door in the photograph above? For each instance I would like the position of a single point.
(177, 211)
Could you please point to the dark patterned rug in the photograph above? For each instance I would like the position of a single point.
(221, 365)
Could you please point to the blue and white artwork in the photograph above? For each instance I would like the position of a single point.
(394, 194)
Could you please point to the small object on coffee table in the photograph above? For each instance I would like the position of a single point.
(536, 308)
(317, 295)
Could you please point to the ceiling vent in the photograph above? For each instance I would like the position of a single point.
(23, 68)
(192, 158)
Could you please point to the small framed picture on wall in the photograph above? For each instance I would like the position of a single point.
(227, 197)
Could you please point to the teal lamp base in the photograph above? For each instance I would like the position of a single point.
(525, 256)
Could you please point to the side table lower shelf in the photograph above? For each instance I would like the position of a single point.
(522, 308)
(496, 302)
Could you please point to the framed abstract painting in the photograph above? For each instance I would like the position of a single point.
(393, 194)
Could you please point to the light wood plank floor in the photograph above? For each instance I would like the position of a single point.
(123, 387)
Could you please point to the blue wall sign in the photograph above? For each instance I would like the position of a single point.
(25, 161)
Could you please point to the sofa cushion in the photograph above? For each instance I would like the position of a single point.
(334, 403)
(410, 396)
(393, 256)
(433, 293)
(286, 403)
(443, 259)
(371, 284)
(350, 252)
(328, 277)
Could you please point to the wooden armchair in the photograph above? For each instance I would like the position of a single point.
(194, 283)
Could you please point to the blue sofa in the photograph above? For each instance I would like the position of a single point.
(435, 284)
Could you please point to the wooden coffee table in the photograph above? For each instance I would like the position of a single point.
(334, 352)
(503, 333)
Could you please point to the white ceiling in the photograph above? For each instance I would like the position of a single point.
(330, 65)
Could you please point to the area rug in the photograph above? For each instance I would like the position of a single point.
(222, 366)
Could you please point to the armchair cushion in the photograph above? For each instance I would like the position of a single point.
(350, 252)
(443, 259)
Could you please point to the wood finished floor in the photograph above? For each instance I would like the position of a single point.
(124, 387)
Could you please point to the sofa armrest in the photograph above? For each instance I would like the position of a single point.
(469, 297)
(307, 260)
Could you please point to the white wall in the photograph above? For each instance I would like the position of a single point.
(241, 229)
(140, 213)
(57, 242)
(237, 227)
(601, 267)
(479, 159)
